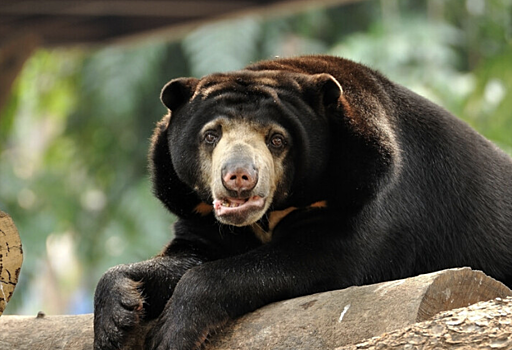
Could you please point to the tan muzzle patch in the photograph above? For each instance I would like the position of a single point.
(242, 172)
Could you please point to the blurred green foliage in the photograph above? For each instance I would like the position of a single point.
(75, 133)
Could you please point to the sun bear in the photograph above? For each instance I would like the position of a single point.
(297, 176)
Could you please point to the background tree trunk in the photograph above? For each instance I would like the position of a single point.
(14, 51)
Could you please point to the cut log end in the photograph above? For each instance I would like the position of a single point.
(459, 289)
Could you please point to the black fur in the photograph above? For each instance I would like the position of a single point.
(409, 188)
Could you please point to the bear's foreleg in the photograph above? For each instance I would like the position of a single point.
(210, 295)
(129, 296)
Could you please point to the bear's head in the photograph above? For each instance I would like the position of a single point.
(243, 143)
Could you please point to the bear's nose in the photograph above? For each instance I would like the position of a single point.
(239, 177)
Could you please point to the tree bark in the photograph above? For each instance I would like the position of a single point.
(328, 320)
(46, 332)
(11, 258)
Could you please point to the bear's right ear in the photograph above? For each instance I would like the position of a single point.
(322, 88)
(178, 91)
(329, 88)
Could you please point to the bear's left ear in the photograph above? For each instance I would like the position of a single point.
(327, 88)
(178, 91)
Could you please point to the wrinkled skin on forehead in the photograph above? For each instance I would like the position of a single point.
(262, 101)
(298, 176)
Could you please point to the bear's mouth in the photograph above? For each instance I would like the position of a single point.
(236, 210)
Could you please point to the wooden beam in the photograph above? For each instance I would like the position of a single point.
(266, 10)
(63, 22)
(105, 8)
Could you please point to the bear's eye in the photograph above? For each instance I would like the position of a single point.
(210, 137)
(277, 141)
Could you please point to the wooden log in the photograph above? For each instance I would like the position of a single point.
(348, 316)
(320, 321)
(46, 332)
(11, 258)
(485, 325)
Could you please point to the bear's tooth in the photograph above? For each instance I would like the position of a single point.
(231, 204)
